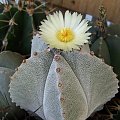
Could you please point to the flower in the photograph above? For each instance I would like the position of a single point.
(65, 32)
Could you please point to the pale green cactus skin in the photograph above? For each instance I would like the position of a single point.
(66, 86)
(8, 62)
(5, 74)
(10, 59)
(101, 51)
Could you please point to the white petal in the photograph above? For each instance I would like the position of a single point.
(73, 19)
(80, 25)
(78, 20)
(67, 19)
(52, 17)
(56, 17)
(61, 19)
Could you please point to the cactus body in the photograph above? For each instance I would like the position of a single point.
(10, 59)
(70, 87)
(114, 49)
(114, 29)
(17, 26)
(8, 62)
(31, 84)
(101, 50)
(108, 48)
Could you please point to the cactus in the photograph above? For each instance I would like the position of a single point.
(101, 50)
(114, 30)
(10, 60)
(107, 48)
(110, 51)
(55, 85)
(5, 73)
(17, 24)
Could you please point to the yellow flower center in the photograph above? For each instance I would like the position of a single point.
(65, 35)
